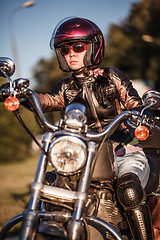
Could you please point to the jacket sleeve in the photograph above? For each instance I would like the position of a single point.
(53, 100)
(127, 94)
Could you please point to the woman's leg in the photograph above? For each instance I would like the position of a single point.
(133, 174)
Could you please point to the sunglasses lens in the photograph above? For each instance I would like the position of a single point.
(79, 47)
(65, 49)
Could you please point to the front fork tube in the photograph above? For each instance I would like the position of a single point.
(74, 227)
(30, 217)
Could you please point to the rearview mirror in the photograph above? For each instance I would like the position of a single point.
(7, 66)
(151, 98)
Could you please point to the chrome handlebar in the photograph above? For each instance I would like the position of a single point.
(107, 132)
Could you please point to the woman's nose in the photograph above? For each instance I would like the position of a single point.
(72, 53)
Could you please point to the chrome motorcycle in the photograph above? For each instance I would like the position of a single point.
(77, 200)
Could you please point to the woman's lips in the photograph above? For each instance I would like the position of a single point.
(73, 62)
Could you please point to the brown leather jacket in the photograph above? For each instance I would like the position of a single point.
(109, 89)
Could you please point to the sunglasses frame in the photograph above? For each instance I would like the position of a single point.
(71, 47)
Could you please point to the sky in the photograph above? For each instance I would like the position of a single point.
(32, 27)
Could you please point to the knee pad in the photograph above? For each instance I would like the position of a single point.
(130, 192)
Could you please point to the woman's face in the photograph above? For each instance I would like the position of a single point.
(75, 59)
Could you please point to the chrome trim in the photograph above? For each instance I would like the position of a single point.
(57, 193)
(40, 112)
(7, 66)
(149, 106)
(84, 181)
(61, 193)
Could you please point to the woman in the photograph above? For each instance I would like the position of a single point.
(79, 46)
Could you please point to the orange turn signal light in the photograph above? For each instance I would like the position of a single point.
(11, 103)
(141, 133)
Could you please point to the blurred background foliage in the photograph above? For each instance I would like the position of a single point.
(15, 143)
(133, 46)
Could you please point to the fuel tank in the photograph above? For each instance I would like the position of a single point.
(104, 165)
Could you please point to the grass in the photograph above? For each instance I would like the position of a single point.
(15, 180)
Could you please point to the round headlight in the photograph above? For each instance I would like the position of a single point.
(67, 154)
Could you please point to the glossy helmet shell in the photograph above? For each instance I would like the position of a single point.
(79, 29)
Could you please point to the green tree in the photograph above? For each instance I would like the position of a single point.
(47, 73)
(126, 48)
(15, 143)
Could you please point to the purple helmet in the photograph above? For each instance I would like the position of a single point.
(79, 29)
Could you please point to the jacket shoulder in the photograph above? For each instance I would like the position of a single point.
(115, 73)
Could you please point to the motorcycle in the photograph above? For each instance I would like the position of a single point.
(77, 200)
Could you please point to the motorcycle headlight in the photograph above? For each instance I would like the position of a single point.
(67, 154)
